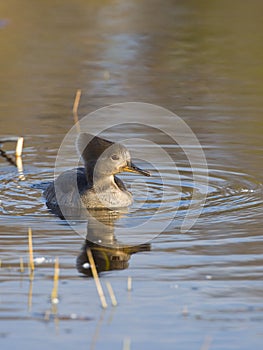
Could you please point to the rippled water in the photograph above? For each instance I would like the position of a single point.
(211, 275)
(200, 289)
(229, 192)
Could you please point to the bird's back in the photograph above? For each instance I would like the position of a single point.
(66, 189)
(72, 190)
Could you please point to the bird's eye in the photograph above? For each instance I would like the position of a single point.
(115, 157)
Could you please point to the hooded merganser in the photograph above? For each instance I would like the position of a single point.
(95, 185)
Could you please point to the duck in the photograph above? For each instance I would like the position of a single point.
(94, 185)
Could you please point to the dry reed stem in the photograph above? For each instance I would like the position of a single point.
(112, 295)
(30, 291)
(207, 343)
(185, 311)
(18, 153)
(47, 315)
(129, 283)
(54, 293)
(22, 269)
(126, 343)
(30, 251)
(19, 146)
(75, 109)
(96, 279)
(19, 165)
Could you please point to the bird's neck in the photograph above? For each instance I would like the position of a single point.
(99, 181)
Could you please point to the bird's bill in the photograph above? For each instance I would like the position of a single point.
(131, 168)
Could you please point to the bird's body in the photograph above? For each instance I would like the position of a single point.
(95, 185)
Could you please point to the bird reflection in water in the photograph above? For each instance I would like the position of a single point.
(108, 253)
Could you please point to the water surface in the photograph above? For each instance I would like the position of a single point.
(194, 290)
